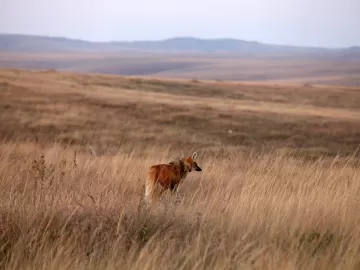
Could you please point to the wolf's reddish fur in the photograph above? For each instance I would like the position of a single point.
(162, 177)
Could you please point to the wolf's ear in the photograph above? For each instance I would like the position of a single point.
(194, 155)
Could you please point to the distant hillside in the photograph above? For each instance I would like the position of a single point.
(354, 49)
(26, 43)
(185, 57)
(29, 43)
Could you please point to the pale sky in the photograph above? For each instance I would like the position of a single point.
(326, 23)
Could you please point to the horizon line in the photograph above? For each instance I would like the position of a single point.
(172, 38)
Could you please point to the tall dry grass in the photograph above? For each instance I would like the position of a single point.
(73, 210)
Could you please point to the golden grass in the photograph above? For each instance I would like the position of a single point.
(112, 111)
(241, 212)
(75, 148)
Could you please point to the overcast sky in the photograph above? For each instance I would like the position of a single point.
(328, 23)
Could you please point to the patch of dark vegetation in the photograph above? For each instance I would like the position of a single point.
(139, 68)
(6, 87)
(193, 88)
(191, 120)
(315, 242)
(225, 115)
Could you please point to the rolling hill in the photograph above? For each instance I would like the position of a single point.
(185, 57)
(33, 43)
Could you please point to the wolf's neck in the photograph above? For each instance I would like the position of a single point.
(183, 169)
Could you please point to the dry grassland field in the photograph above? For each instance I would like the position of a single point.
(338, 69)
(279, 186)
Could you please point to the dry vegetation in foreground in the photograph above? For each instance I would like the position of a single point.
(62, 207)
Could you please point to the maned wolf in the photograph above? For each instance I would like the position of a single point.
(162, 177)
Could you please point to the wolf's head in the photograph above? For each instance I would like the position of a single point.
(190, 163)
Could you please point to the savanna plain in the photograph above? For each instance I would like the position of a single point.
(279, 186)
